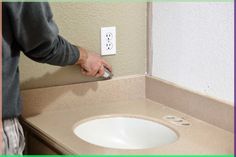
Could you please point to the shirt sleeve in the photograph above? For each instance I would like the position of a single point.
(37, 34)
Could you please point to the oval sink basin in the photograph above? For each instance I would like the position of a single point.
(125, 133)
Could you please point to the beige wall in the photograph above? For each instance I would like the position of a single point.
(80, 23)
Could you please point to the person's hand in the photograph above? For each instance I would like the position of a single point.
(92, 64)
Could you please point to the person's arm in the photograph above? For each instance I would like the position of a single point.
(37, 36)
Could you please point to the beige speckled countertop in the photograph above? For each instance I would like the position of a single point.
(57, 127)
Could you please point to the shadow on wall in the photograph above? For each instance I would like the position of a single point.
(62, 76)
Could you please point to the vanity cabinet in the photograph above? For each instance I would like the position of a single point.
(37, 145)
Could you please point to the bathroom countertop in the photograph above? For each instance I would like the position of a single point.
(199, 138)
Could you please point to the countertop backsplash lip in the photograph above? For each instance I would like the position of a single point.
(191, 91)
(85, 82)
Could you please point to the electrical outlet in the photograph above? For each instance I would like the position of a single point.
(108, 41)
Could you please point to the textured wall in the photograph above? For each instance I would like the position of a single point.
(194, 46)
(80, 23)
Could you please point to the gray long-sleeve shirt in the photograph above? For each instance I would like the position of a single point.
(29, 27)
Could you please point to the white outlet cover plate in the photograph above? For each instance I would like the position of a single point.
(108, 41)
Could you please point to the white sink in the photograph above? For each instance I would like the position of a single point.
(125, 133)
